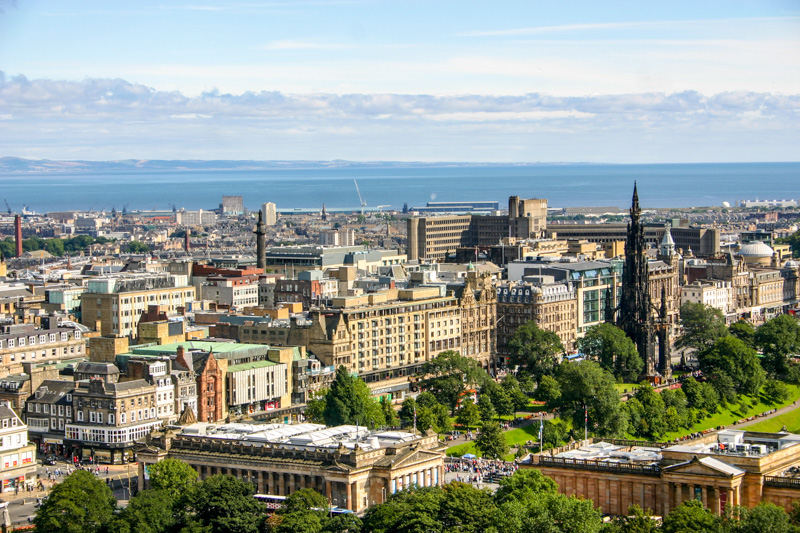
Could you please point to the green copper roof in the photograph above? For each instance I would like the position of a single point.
(250, 366)
(216, 347)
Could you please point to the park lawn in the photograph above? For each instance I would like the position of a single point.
(772, 425)
(732, 413)
(626, 388)
(514, 437)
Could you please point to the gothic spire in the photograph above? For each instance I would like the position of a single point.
(635, 202)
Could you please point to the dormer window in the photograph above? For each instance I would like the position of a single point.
(42, 339)
(31, 340)
(21, 341)
(10, 343)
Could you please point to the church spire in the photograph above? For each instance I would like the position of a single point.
(635, 209)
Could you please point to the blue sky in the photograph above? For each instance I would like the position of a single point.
(429, 80)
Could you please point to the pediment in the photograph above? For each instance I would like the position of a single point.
(707, 466)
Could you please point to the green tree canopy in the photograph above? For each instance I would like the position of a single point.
(449, 374)
(586, 384)
(523, 484)
(778, 338)
(223, 504)
(702, 326)
(80, 504)
(349, 401)
(172, 477)
(468, 414)
(689, 517)
(744, 331)
(647, 413)
(491, 441)
(150, 511)
(613, 349)
(732, 356)
(535, 349)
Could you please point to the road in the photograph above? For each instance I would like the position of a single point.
(23, 505)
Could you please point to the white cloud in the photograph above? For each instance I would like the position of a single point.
(113, 118)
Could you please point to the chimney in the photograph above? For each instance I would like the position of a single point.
(180, 357)
(18, 234)
(186, 244)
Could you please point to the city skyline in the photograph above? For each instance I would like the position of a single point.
(412, 81)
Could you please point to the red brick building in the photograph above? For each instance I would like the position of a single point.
(210, 379)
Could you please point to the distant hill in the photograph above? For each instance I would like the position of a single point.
(17, 164)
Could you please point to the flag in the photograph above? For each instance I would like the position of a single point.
(541, 433)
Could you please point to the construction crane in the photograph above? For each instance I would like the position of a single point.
(7, 206)
(360, 199)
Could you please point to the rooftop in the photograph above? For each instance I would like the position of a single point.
(300, 435)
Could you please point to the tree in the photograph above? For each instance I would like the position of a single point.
(677, 409)
(450, 374)
(776, 391)
(744, 331)
(407, 412)
(222, 504)
(688, 517)
(702, 326)
(647, 413)
(501, 400)
(491, 441)
(523, 484)
(585, 385)
(553, 513)
(486, 407)
(778, 338)
(349, 401)
(463, 508)
(305, 500)
(512, 387)
(548, 391)
(150, 511)
(136, 247)
(315, 409)
(765, 517)
(636, 521)
(613, 349)
(535, 349)
(80, 504)
(554, 433)
(172, 477)
(468, 414)
(389, 414)
(732, 356)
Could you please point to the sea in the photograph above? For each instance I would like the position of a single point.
(563, 185)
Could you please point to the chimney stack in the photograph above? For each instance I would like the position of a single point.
(18, 234)
(186, 244)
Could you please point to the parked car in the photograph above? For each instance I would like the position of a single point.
(50, 460)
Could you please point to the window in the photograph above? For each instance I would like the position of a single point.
(31, 340)
(21, 341)
(42, 339)
(10, 343)
(80, 415)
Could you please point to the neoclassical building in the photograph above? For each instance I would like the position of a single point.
(729, 467)
(351, 466)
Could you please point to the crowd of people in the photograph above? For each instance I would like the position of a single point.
(477, 471)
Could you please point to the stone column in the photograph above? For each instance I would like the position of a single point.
(328, 490)
(678, 494)
(347, 496)
(354, 496)
(715, 500)
(665, 496)
(261, 488)
(704, 489)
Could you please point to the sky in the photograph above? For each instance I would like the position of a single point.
(412, 80)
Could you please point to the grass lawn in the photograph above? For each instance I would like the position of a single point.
(514, 437)
(733, 413)
(791, 420)
(626, 388)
